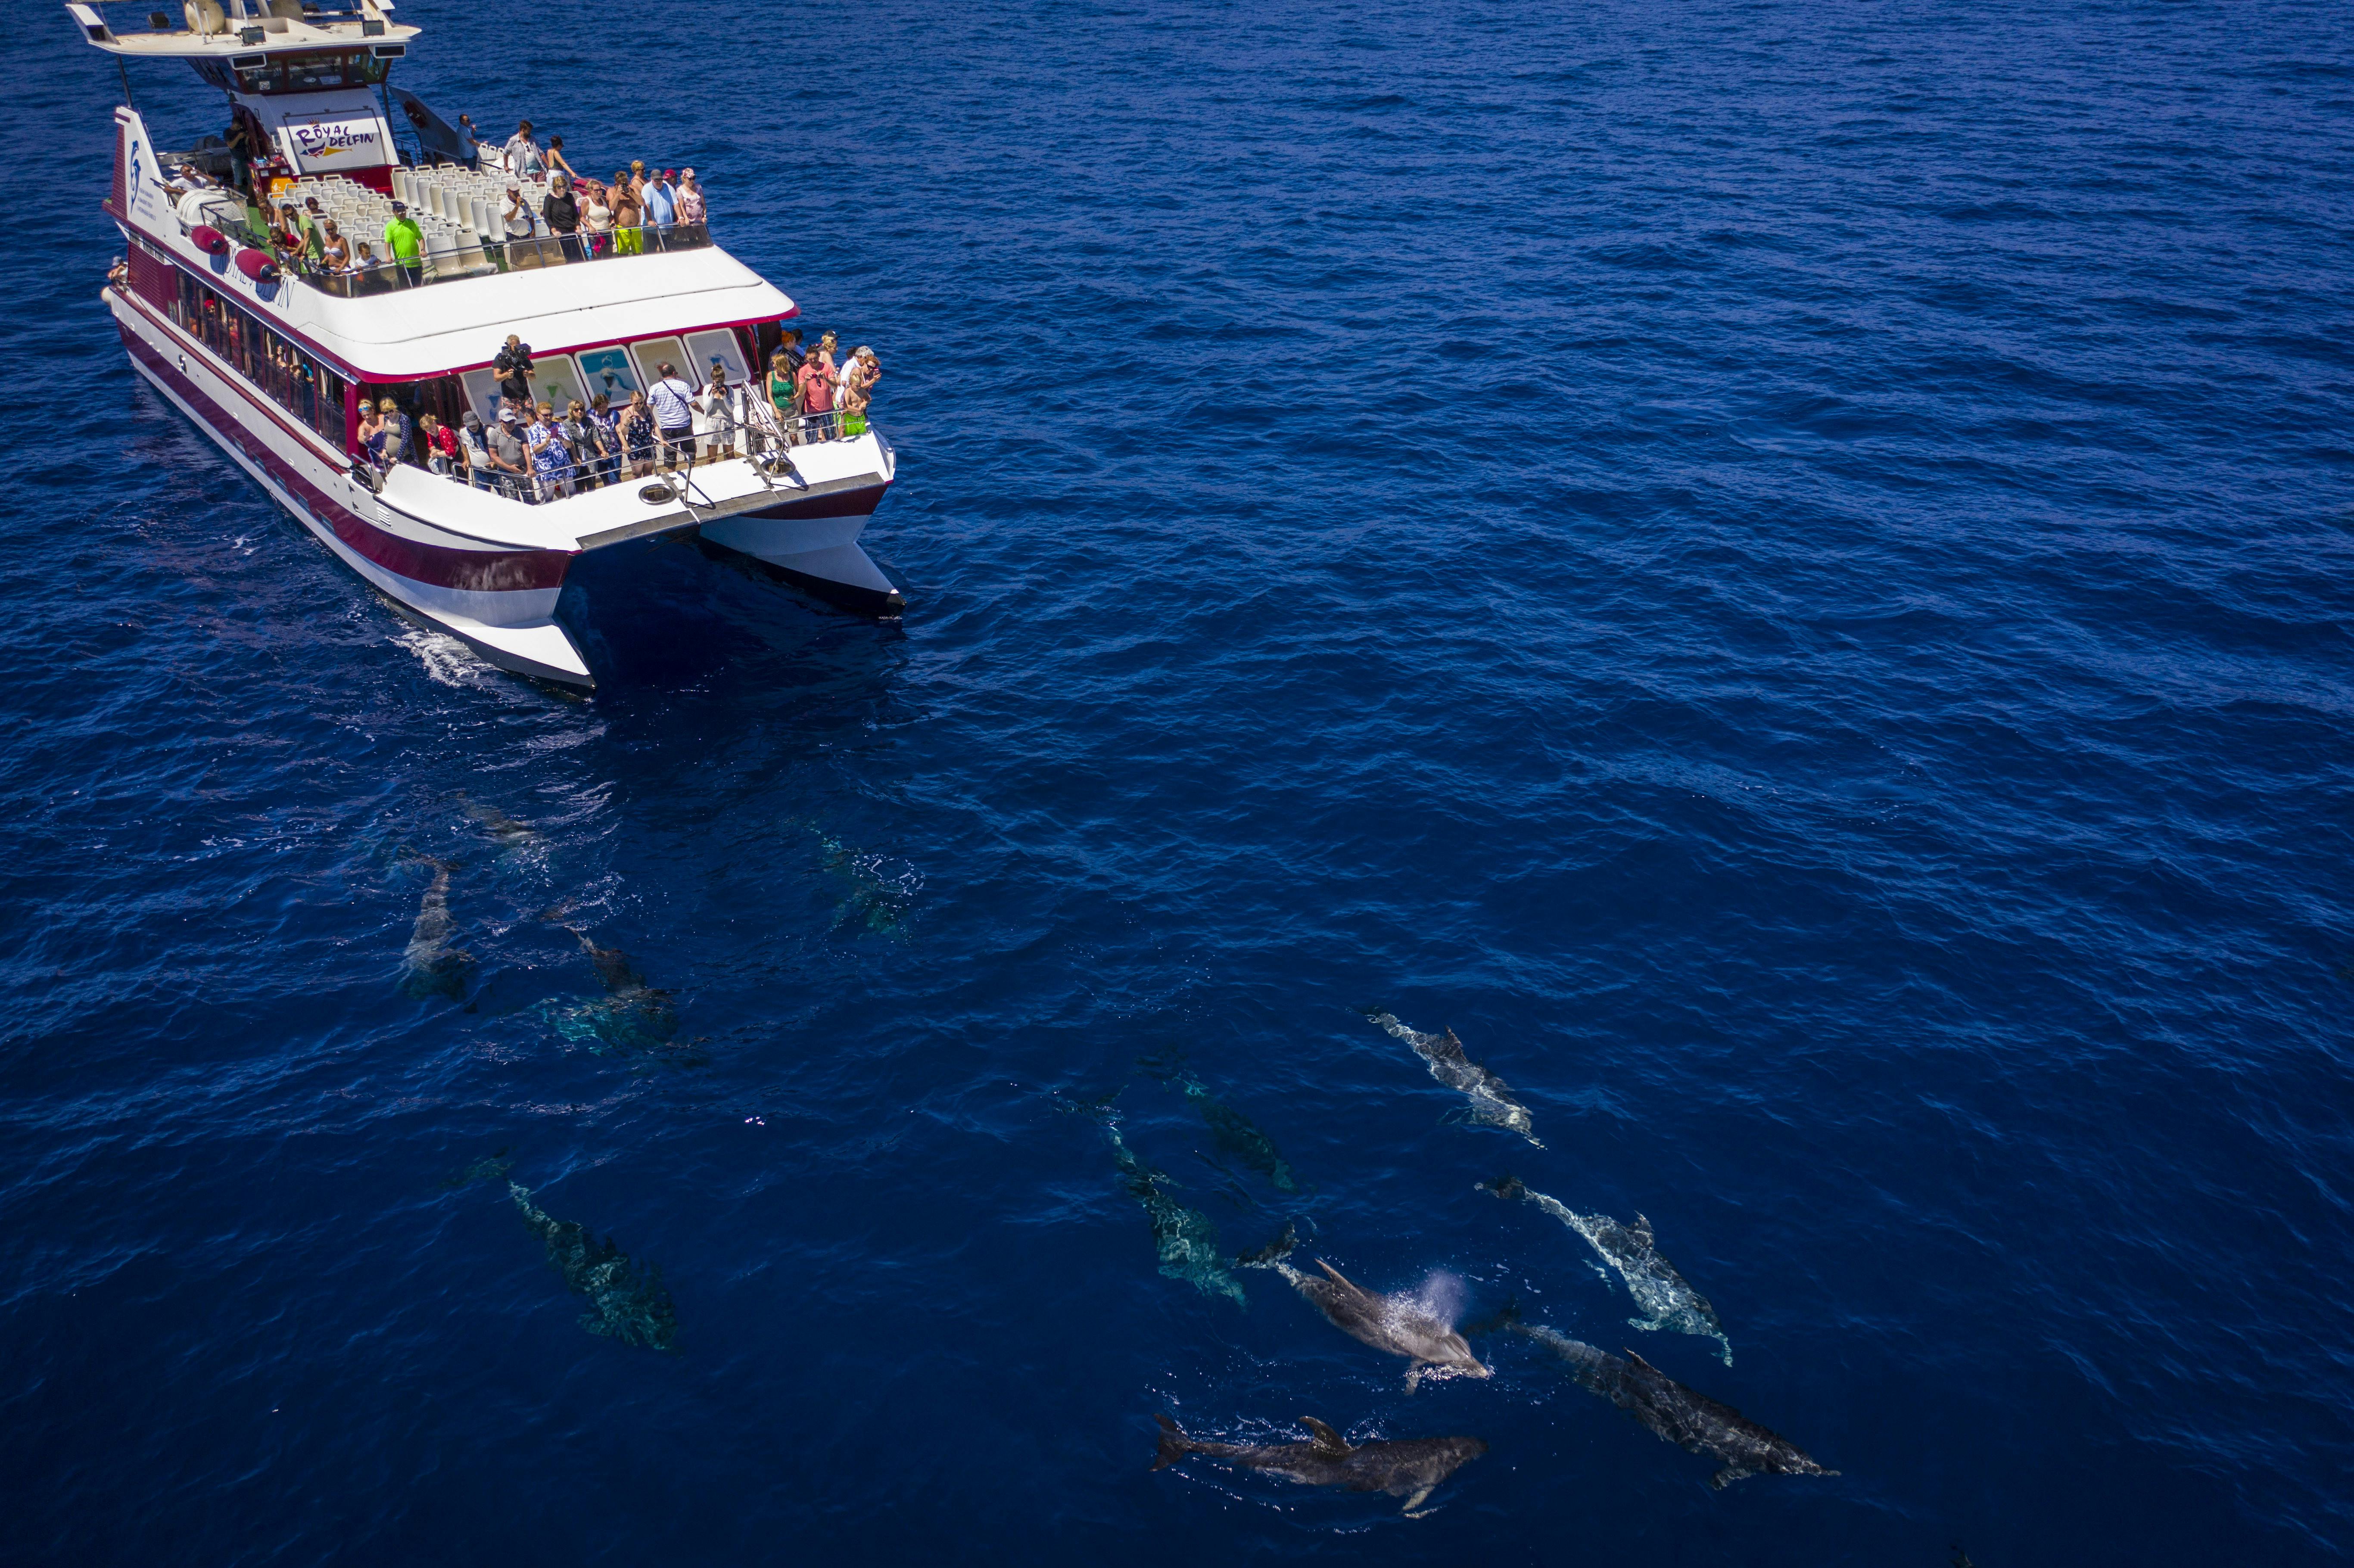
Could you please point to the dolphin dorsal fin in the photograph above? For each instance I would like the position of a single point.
(1450, 1046)
(1641, 1229)
(1328, 1441)
(1337, 1275)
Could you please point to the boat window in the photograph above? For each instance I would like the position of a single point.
(703, 347)
(654, 352)
(293, 379)
(609, 370)
(307, 70)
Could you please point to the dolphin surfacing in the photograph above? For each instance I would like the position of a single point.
(1410, 1469)
(1681, 1415)
(1402, 1325)
(1491, 1101)
(1659, 1287)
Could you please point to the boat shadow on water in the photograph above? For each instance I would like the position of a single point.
(673, 609)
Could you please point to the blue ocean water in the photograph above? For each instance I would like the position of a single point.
(1779, 567)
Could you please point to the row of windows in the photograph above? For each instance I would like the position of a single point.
(312, 70)
(296, 381)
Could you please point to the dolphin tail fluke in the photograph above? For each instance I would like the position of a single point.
(1175, 1444)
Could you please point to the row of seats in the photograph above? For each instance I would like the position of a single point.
(465, 199)
(452, 248)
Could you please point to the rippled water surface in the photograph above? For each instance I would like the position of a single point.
(1781, 568)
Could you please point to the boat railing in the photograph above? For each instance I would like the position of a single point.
(673, 467)
(486, 258)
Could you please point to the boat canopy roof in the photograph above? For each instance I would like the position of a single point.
(411, 333)
(246, 32)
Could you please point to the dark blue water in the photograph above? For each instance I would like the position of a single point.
(1783, 568)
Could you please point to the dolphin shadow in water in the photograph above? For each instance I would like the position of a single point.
(1402, 1325)
(1186, 1239)
(1662, 1292)
(1490, 1100)
(430, 966)
(625, 1303)
(1691, 1420)
(1410, 1470)
(1230, 1130)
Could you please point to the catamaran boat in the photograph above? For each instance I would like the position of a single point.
(278, 358)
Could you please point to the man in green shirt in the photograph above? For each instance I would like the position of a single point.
(407, 243)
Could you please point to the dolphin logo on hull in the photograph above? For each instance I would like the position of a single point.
(1186, 1239)
(1402, 1324)
(1662, 1292)
(429, 965)
(1491, 1101)
(625, 1304)
(1678, 1414)
(1411, 1469)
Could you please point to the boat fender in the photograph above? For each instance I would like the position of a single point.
(208, 239)
(257, 265)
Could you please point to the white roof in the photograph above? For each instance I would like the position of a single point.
(413, 332)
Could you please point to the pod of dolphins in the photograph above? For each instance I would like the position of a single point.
(629, 1303)
(1414, 1326)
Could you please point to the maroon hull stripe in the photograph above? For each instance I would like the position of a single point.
(846, 504)
(435, 565)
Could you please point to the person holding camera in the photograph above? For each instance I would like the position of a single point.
(513, 368)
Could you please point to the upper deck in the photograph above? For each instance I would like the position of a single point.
(408, 334)
(245, 39)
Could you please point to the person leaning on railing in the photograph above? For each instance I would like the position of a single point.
(508, 460)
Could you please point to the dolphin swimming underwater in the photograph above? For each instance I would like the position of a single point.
(510, 833)
(631, 1013)
(1657, 1286)
(628, 1306)
(1409, 1468)
(430, 966)
(1679, 1416)
(1232, 1131)
(874, 901)
(1492, 1104)
(1402, 1325)
(1186, 1238)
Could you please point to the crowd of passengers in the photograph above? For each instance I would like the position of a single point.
(534, 451)
(579, 219)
